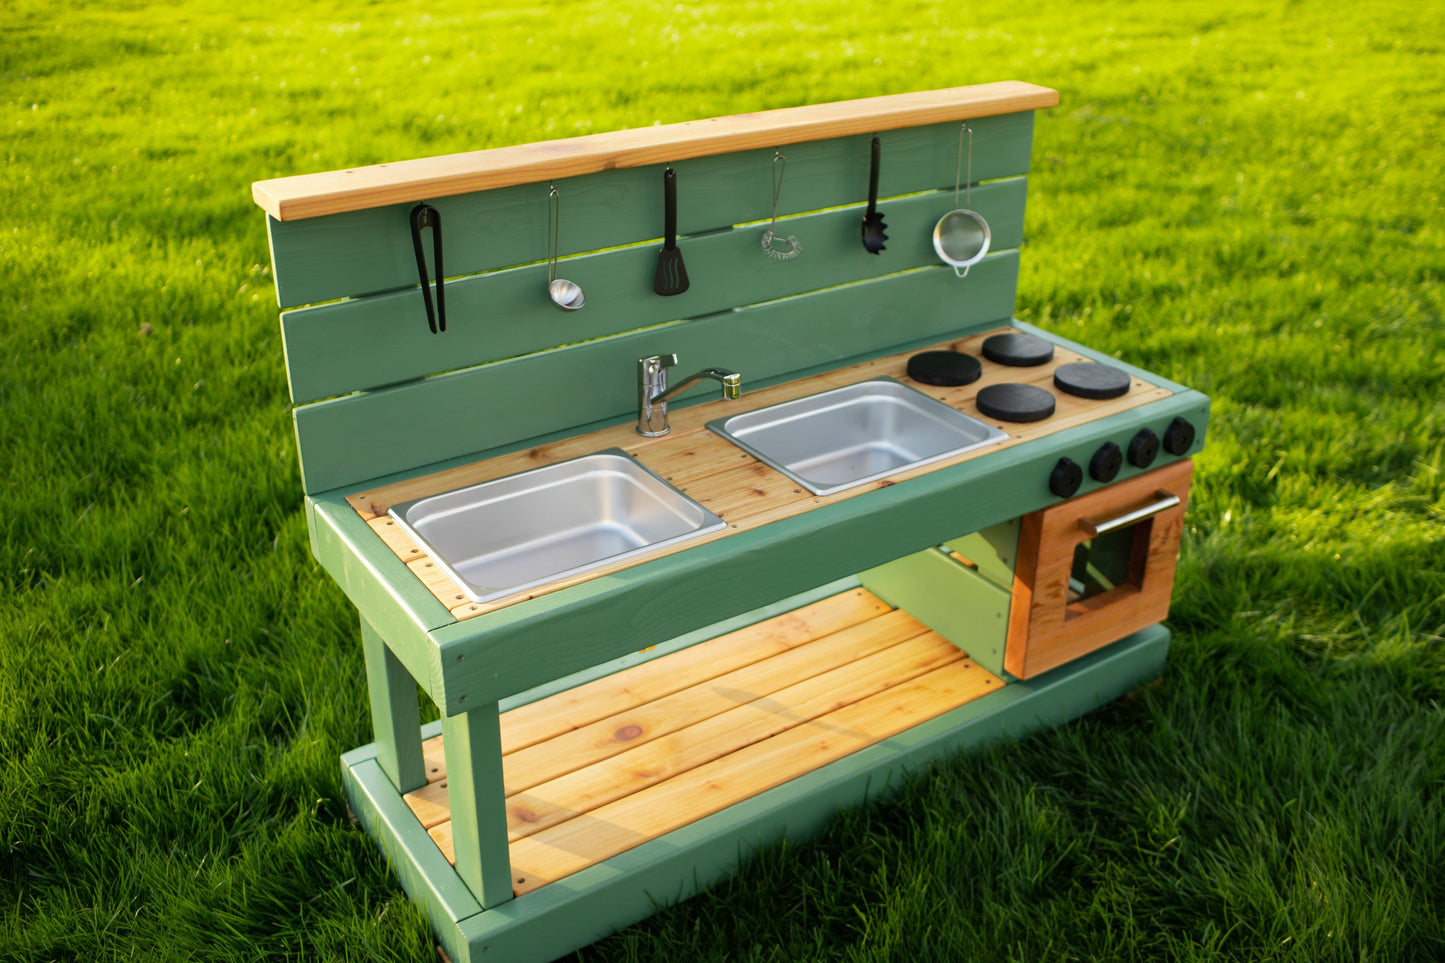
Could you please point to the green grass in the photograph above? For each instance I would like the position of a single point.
(1242, 197)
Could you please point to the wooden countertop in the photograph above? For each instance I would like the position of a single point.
(727, 481)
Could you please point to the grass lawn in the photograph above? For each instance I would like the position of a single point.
(1243, 197)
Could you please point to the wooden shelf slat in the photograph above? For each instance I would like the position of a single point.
(620, 775)
(550, 717)
(706, 697)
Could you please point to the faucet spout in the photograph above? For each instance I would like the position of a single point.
(653, 390)
(731, 381)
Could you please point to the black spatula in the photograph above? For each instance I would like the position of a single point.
(671, 274)
(873, 226)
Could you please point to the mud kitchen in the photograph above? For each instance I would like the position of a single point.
(703, 478)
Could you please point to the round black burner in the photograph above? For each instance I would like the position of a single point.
(1011, 402)
(944, 368)
(1018, 350)
(1088, 380)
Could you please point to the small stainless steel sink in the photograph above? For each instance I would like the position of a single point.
(528, 529)
(860, 433)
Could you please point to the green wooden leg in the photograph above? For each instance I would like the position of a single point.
(478, 801)
(395, 716)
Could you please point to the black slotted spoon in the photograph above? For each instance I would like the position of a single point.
(671, 274)
(873, 226)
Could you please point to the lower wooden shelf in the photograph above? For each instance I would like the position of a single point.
(641, 788)
(597, 770)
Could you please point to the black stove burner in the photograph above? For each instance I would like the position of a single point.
(1089, 380)
(1014, 402)
(1017, 350)
(944, 368)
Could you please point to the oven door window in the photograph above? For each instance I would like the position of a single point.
(1104, 563)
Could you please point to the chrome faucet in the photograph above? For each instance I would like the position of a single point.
(653, 391)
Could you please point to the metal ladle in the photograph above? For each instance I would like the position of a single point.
(565, 294)
(961, 236)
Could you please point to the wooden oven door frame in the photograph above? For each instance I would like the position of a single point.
(1046, 629)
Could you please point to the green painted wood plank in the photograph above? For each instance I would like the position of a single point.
(419, 865)
(346, 255)
(367, 343)
(580, 909)
(965, 608)
(386, 593)
(478, 802)
(354, 439)
(606, 618)
(395, 715)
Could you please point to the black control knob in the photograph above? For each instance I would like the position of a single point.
(1107, 461)
(1143, 448)
(1066, 478)
(1178, 437)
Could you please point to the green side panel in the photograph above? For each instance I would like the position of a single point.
(385, 592)
(347, 441)
(478, 802)
(395, 715)
(966, 609)
(605, 618)
(573, 912)
(422, 869)
(994, 550)
(364, 252)
(337, 348)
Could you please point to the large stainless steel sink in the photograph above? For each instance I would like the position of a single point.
(860, 433)
(528, 529)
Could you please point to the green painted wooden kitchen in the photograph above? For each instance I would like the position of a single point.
(702, 477)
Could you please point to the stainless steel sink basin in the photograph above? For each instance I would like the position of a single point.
(860, 433)
(525, 530)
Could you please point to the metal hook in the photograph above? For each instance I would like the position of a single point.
(780, 167)
(968, 195)
(779, 158)
(554, 230)
(426, 216)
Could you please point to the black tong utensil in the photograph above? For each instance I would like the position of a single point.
(424, 216)
(671, 274)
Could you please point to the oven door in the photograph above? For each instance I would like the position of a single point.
(1093, 569)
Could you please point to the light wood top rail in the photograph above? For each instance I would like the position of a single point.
(335, 192)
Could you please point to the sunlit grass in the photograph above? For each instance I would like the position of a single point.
(1242, 197)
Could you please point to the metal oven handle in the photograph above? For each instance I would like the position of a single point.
(1166, 501)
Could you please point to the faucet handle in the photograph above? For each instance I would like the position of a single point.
(655, 363)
